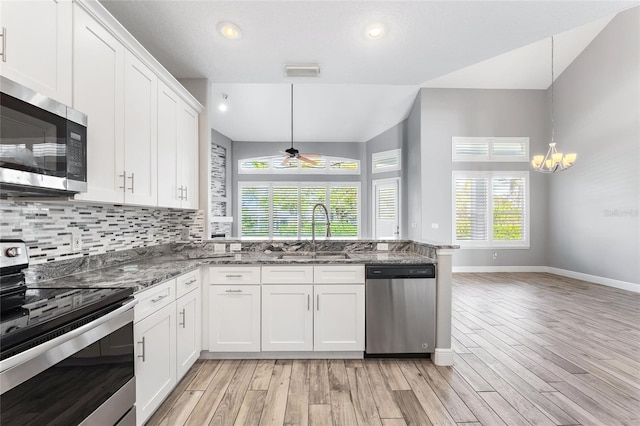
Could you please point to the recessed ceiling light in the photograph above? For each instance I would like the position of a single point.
(229, 30)
(375, 31)
(223, 106)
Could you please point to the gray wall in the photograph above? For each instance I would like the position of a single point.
(464, 112)
(412, 174)
(355, 150)
(594, 224)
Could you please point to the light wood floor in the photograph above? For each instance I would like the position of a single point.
(529, 349)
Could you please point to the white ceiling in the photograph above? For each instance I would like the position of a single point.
(365, 86)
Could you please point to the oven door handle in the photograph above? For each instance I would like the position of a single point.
(21, 367)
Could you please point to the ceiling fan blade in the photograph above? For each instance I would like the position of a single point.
(306, 160)
(313, 155)
(285, 161)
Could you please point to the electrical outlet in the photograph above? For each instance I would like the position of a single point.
(495, 255)
(382, 247)
(435, 225)
(219, 248)
(184, 234)
(235, 247)
(76, 242)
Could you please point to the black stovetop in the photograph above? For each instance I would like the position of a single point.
(50, 310)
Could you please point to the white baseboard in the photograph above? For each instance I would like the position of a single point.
(609, 282)
(443, 356)
(499, 269)
(282, 355)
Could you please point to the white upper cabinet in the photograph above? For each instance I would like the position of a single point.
(188, 154)
(177, 151)
(37, 46)
(140, 132)
(99, 57)
(169, 194)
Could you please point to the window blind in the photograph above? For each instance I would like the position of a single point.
(491, 209)
(386, 161)
(255, 211)
(285, 211)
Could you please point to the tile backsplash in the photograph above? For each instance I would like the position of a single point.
(47, 227)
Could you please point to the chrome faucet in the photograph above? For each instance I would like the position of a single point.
(313, 224)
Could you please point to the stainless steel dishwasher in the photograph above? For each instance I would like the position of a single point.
(400, 309)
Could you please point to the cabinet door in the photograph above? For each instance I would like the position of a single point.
(169, 193)
(188, 331)
(98, 91)
(234, 318)
(287, 318)
(339, 317)
(140, 132)
(188, 151)
(38, 46)
(155, 367)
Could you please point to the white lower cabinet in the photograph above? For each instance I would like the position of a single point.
(338, 317)
(188, 331)
(287, 318)
(167, 331)
(155, 365)
(234, 318)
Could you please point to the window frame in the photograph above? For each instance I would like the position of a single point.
(490, 143)
(270, 169)
(397, 153)
(490, 243)
(270, 184)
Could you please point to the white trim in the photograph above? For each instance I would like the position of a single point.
(483, 269)
(282, 355)
(445, 252)
(443, 356)
(609, 282)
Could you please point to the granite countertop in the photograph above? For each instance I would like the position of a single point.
(147, 272)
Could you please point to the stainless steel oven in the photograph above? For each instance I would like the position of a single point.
(43, 143)
(66, 354)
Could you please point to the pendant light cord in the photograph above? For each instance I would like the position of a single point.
(553, 127)
(291, 115)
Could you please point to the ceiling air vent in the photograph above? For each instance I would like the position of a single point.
(302, 70)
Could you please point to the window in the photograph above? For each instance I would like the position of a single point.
(386, 209)
(491, 209)
(323, 165)
(283, 210)
(490, 149)
(386, 161)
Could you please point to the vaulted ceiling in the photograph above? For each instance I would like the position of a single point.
(365, 85)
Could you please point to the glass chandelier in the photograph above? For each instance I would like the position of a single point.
(554, 161)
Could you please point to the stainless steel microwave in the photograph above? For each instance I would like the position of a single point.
(43, 144)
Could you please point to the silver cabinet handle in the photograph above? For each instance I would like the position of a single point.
(124, 180)
(180, 191)
(233, 291)
(184, 319)
(233, 276)
(308, 302)
(142, 356)
(191, 282)
(159, 298)
(317, 302)
(4, 44)
(186, 193)
(132, 182)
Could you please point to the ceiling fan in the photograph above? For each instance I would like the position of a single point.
(294, 153)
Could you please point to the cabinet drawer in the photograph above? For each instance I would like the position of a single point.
(338, 274)
(290, 274)
(149, 301)
(187, 282)
(234, 275)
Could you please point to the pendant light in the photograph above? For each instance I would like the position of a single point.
(554, 161)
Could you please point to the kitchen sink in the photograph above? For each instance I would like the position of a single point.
(311, 256)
